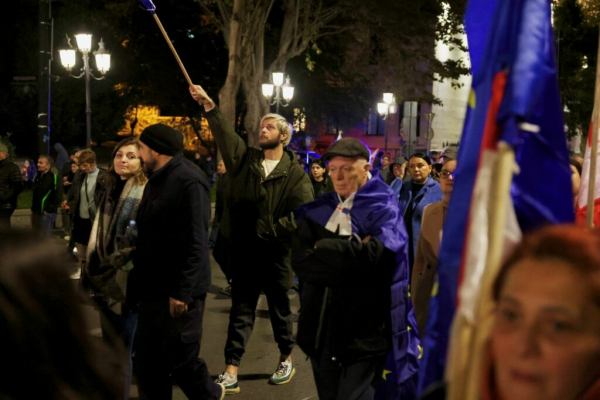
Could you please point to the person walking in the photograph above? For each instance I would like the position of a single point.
(171, 274)
(110, 249)
(83, 199)
(11, 184)
(44, 202)
(266, 186)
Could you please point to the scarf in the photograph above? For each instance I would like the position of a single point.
(112, 221)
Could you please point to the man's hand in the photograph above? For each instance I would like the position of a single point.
(176, 307)
(201, 97)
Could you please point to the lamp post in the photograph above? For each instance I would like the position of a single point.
(387, 108)
(429, 117)
(68, 59)
(278, 92)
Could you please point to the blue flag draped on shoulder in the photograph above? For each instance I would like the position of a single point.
(376, 213)
(514, 99)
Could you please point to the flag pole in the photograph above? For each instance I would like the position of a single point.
(465, 380)
(152, 8)
(187, 77)
(594, 151)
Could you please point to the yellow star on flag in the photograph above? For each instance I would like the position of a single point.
(385, 373)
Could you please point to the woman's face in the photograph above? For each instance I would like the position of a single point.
(317, 171)
(419, 170)
(546, 338)
(127, 161)
(74, 167)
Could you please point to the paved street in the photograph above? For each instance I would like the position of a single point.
(261, 357)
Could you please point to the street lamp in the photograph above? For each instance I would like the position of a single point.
(387, 108)
(278, 92)
(68, 60)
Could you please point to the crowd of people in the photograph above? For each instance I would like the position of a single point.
(360, 233)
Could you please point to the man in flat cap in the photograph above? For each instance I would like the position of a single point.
(172, 271)
(425, 267)
(265, 186)
(351, 252)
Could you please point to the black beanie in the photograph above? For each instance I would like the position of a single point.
(162, 139)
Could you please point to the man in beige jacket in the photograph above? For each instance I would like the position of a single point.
(424, 274)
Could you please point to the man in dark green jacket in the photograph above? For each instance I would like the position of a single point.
(265, 186)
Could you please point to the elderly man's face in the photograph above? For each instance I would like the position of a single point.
(3, 155)
(348, 174)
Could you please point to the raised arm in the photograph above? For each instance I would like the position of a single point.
(230, 144)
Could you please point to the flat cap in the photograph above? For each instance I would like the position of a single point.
(162, 139)
(451, 153)
(399, 160)
(3, 148)
(347, 147)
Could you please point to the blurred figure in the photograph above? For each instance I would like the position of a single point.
(396, 178)
(47, 351)
(45, 199)
(420, 191)
(11, 184)
(545, 343)
(319, 177)
(218, 240)
(576, 168)
(425, 268)
(384, 168)
(112, 241)
(62, 158)
(84, 197)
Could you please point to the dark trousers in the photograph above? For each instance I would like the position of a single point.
(5, 214)
(346, 382)
(167, 347)
(120, 327)
(244, 298)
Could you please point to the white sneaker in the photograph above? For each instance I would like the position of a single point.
(229, 382)
(76, 275)
(284, 373)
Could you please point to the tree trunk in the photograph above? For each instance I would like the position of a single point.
(228, 92)
(251, 84)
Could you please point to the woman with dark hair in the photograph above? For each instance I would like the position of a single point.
(545, 343)
(415, 194)
(45, 346)
(576, 168)
(318, 177)
(111, 245)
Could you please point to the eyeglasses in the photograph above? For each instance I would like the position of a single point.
(446, 175)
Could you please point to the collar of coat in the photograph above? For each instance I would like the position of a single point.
(375, 212)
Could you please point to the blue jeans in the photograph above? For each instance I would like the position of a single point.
(43, 223)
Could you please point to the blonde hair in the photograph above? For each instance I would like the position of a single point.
(282, 125)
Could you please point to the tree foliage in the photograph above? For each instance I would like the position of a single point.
(577, 48)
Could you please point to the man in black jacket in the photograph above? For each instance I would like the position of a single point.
(11, 184)
(45, 198)
(265, 186)
(172, 271)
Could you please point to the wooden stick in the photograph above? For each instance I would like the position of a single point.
(187, 77)
(594, 151)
